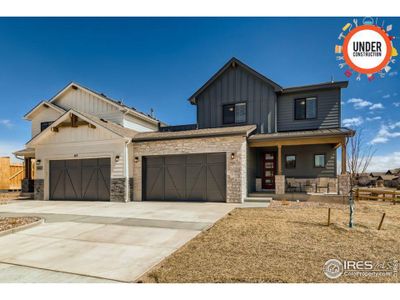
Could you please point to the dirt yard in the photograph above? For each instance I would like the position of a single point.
(286, 242)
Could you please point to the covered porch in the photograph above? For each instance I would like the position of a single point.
(28, 156)
(298, 162)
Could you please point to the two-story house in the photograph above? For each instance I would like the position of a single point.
(251, 135)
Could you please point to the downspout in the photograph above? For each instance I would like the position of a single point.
(127, 170)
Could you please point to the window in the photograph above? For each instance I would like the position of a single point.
(305, 108)
(319, 160)
(44, 125)
(234, 113)
(290, 161)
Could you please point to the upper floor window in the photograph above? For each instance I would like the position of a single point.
(305, 108)
(44, 125)
(234, 113)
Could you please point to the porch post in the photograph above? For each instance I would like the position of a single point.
(279, 159)
(344, 158)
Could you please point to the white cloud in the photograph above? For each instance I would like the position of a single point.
(373, 118)
(376, 106)
(397, 104)
(386, 96)
(350, 122)
(394, 73)
(384, 162)
(359, 103)
(6, 123)
(386, 133)
(395, 94)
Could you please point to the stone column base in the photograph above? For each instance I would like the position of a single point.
(344, 184)
(279, 184)
(27, 185)
(39, 189)
(118, 189)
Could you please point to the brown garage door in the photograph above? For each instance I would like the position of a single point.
(80, 179)
(194, 177)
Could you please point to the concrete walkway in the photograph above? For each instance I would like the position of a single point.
(99, 241)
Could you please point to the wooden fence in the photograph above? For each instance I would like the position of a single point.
(377, 194)
(11, 175)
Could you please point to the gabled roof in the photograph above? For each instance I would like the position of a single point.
(388, 177)
(101, 96)
(233, 61)
(393, 171)
(376, 174)
(43, 104)
(110, 126)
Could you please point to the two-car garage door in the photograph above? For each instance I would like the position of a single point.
(80, 179)
(194, 177)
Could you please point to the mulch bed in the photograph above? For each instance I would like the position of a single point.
(7, 223)
(286, 242)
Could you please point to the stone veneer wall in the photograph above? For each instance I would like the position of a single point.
(131, 189)
(344, 184)
(236, 177)
(117, 191)
(27, 185)
(38, 189)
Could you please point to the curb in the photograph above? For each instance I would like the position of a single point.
(20, 228)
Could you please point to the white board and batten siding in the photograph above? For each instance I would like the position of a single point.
(81, 143)
(137, 124)
(44, 115)
(83, 101)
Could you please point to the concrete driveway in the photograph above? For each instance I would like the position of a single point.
(99, 241)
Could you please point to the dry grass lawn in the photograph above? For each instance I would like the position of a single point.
(286, 242)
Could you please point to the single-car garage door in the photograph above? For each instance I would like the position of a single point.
(80, 179)
(194, 177)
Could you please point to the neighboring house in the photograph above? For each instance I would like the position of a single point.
(393, 171)
(251, 135)
(389, 180)
(81, 141)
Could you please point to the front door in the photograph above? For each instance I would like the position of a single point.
(268, 175)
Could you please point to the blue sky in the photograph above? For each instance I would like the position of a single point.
(159, 62)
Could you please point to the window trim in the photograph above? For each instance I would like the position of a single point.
(234, 105)
(45, 122)
(295, 159)
(319, 167)
(305, 110)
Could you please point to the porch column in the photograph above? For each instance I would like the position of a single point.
(28, 168)
(279, 159)
(344, 158)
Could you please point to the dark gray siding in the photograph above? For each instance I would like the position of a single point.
(305, 161)
(233, 86)
(328, 111)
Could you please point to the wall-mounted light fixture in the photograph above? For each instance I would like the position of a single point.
(232, 155)
(75, 155)
(116, 158)
(38, 162)
(136, 159)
